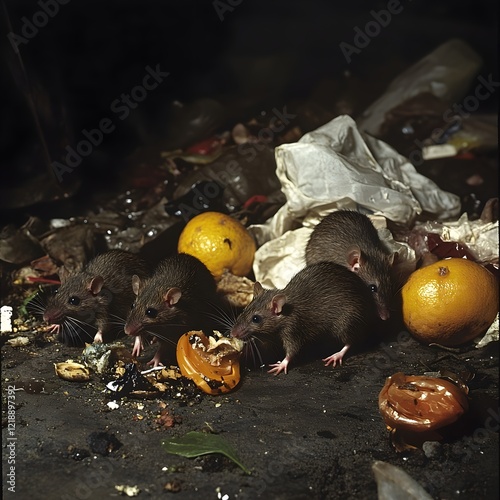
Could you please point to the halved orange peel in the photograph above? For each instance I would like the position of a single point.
(212, 363)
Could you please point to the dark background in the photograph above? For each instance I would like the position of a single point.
(264, 54)
(261, 55)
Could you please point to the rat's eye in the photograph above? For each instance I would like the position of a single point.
(132, 305)
(373, 288)
(256, 319)
(151, 312)
(74, 301)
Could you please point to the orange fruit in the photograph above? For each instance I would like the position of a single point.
(450, 302)
(212, 363)
(220, 242)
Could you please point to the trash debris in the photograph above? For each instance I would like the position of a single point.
(18, 341)
(5, 319)
(445, 73)
(194, 444)
(239, 173)
(238, 290)
(112, 405)
(102, 358)
(18, 246)
(103, 443)
(335, 167)
(462, 238)
(415, 406)
(212, 363)
(71, 371)
(132, 381)
(195, 201)
(393, 483)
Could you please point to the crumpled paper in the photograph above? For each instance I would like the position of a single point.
(479, 236)
(338, 167)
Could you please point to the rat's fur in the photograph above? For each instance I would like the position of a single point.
(349, 238)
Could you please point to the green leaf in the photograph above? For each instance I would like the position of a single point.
(194, 444)
(22, 310)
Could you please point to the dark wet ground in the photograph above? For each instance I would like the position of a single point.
(314, 433)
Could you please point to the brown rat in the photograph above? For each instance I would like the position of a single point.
(99, 295)
(181, 295)
(349, 238)
(323, 299)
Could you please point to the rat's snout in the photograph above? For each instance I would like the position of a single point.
(383, 312)
(53, 316)
(133, 328)
(238, 332)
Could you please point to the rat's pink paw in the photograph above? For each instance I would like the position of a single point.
(332, 360)
(54, 329)
(156, 361)
(138, 346)
(337, 357)
(277, 368)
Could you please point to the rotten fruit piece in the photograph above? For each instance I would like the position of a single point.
(420, 403)
(212, 363)
(74, 372)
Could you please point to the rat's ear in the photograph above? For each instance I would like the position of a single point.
(95, 285)
(354, 258)
(393, 258)
(136, 284)
(172, 296)
(277, 303)
(257, 289)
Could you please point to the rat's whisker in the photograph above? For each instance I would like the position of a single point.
(36, 305)
(164, 338)
(79, 322)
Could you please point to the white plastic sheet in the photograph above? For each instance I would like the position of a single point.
(447, 73)
(336, 166)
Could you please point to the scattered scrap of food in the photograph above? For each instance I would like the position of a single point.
(238, 290)
(72, 371)
(415, 406)
(212, 362)
(18, 341)
(129, 491)
(103, 358)
(166, 419)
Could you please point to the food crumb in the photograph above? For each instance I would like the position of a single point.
(130, 491)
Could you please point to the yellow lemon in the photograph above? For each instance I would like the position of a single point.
(220, 242)
(450, 302)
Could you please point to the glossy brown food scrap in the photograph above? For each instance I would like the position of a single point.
(421, 403)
